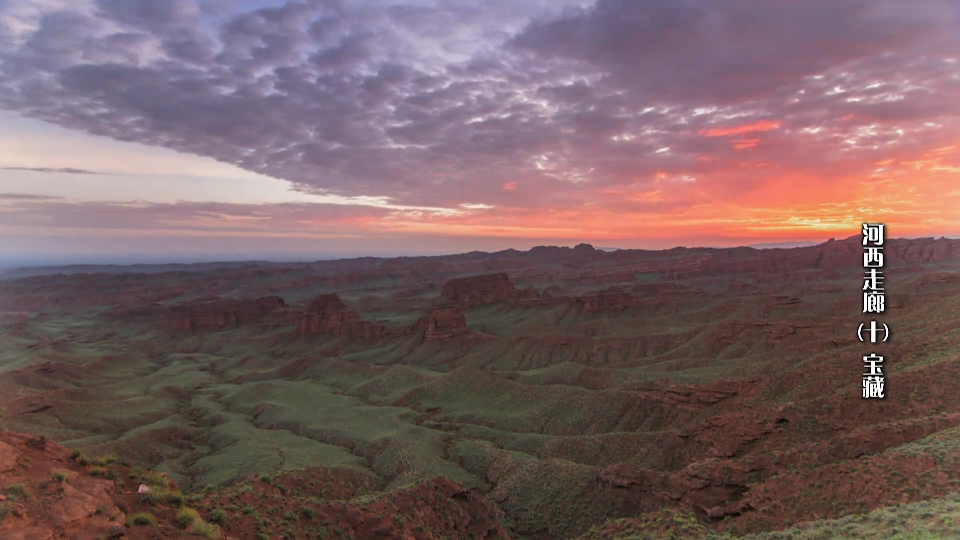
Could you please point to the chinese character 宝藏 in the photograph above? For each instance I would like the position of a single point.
(872, 362)
(873, 387)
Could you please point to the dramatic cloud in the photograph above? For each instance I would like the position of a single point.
(731, 52)
(520, 115)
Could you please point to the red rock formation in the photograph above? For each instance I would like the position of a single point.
(612, 299)
(714, 487)
(79, 506)
(690, 398)
(835, 254)
(220, 313)
(24, 303)
(477, 290)
(445, 321)
(940, 277)
(919, 250)
(801, 337)
(414, 293)
(528, 297)
(45, 493)
(440, 506)
(827, 256)
(327, 314)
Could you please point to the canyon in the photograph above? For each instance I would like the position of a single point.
(554, 393)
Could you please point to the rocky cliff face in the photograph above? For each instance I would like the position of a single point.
(221, 313)
(839, 254)
(919, 250)
(207, 313)
(612, 299)
(478, 290)
(327, 314)
(74, 505)
(445, 321)
(529, 297)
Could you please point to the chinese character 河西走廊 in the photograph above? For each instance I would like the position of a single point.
(873, 280)
(873, 257)
(873, 233)
(873, 302)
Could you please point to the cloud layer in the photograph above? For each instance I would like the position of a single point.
(51, 170)
(525, 115)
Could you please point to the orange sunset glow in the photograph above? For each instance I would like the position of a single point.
(740, 130)
(376, 127)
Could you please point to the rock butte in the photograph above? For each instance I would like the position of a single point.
(473, 291)
(445, 321)
(327, 314)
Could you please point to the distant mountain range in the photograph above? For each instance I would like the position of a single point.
(783, 245)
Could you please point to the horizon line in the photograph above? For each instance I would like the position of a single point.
(120, 260)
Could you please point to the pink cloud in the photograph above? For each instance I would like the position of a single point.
(762, 125)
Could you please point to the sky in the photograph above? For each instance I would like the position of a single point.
(227, 129)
